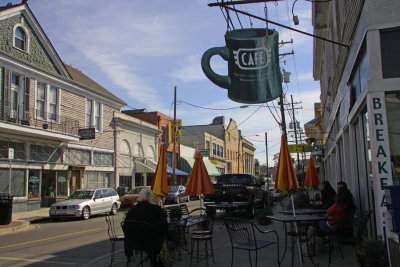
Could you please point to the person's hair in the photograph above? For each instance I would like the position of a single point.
(146, 195)
(345, 197)
(341, 183)
(328, 187)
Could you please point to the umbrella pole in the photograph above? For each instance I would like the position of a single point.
(297, 230)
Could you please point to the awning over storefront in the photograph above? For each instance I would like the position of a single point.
(187, 165)
(177, 171)
(144, 168)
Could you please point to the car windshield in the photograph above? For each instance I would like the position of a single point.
(172, 188)
(135, 190)
(81, 195)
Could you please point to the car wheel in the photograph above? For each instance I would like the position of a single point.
(114, 209)
(86, 213)
(251, 210)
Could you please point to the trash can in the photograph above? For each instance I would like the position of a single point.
(6, 204)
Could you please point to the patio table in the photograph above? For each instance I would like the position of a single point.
(295, 222)
(303, 211)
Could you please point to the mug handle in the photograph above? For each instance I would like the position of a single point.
(220, 80)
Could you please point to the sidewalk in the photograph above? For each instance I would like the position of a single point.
(221, 245)
(21, 220)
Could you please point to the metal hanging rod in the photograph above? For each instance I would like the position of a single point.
(283, 26)
(241, 2)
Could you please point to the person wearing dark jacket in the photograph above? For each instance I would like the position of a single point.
(147, 210)
(328, 195)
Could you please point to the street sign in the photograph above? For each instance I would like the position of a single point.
(204, 152)
(11, 153)
(299, 148)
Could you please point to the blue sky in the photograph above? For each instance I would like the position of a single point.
(140, 50)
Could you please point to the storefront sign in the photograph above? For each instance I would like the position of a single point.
(61, 179)
(178, 131)
(299, 148)
(253, 65)
(34, 179)
(204, 152)
(86, 134)
(380, 153)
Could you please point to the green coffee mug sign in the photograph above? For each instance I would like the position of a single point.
(253, 65)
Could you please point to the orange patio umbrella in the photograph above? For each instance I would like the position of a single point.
(199, 180)
(311, 175)
(286, 180)
(159, 185)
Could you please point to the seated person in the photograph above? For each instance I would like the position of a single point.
(340, 215)
(340, 185)
(301, 200)
(328, 195)
(147, 210)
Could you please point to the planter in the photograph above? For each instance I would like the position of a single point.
(263, 220)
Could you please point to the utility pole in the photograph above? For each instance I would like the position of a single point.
(283, 116)
(268, 179)
(174, 137)
(295, 130)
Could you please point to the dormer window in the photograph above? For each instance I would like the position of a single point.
(20, 38)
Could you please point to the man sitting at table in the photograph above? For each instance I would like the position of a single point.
(147, 210)
(301, 200)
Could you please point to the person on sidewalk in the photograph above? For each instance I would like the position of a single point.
(148, 211)
(301, 200)
(328, 195)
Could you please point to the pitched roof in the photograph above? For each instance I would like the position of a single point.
(10, 5)
(88, 83)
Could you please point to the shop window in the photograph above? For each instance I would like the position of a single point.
(103, 159)
(390, 52)
(34, 185)
(359, 75)
(393, 114)
(74, 156)
(45, 153)
(62, 184)
(17, 182)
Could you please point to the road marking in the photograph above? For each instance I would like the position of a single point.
(49, 238)
(44, 261)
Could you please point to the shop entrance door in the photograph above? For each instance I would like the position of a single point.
(48, 188)
(75, 181)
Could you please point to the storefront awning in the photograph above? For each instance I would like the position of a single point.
(187, 165)
(177, 171)
(144, 168)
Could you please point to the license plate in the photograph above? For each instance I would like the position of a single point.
(60, 211)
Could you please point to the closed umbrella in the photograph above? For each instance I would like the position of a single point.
(199, 180)
(286, 180)
(311, 175)
(159, 185)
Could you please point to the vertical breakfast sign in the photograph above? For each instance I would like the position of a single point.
(380, 154)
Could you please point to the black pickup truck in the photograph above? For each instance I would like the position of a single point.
(236, 191)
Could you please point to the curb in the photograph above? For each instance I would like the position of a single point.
(19, 226)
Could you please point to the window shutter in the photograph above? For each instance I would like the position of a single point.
(26, 98)
(7, 93)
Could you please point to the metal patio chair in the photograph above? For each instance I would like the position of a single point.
(243, 236)
(113, 236)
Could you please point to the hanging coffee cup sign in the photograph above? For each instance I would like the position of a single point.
(253, 65)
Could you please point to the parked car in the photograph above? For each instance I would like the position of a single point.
(176, 193)
(131, 196)
(85, 203)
